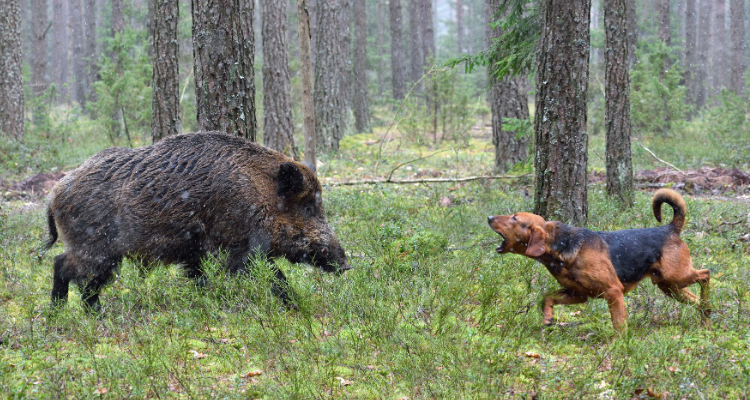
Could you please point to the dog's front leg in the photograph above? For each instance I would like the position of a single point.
(615, 299)
(562, 296)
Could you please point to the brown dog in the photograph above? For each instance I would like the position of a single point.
(607, 264)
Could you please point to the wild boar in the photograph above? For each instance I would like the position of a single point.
(183, 198)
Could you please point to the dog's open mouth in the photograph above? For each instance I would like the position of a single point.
(502, 245)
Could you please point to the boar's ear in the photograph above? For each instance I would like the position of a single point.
(291, 180)
(310, 165)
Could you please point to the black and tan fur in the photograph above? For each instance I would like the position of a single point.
(608, 264)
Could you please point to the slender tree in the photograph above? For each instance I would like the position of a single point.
(662, 10)
(459, 25)
(306, 72)
(11, 83)
(60, 46)
(330, 70)
(632, 31)
(165, 83)
(737, 69)
(560, 122)
(360, 103)
(38, 60)
(617, 99)
(76, 39)
(278, 126)
(691, 52)
(507, 99)
(89, 47)
(428, 33)
(718, 47)
(223, 48)
(381, 47)
(416, 63)
(118, 17)
(398, 65)
(704, 62)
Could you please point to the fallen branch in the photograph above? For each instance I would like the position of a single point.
(659, 159)
(428, 180)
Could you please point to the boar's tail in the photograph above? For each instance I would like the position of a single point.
(52, 230)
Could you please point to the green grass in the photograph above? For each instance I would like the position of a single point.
(429, 310)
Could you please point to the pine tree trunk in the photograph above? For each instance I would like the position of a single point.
(428, 33)
(415, 45)
(691, 52)
(11, 83)
(617, 107)
(704, 41)
(507, 99)
(330, 67)
(718, 47)
(60, 46)
(662, 10)
(38, 35)
(76, 41)
(398, 65)
(381, 51)
(223, 48)
(459, 25)
(632, 32)
(118, 17)
(360, 103)
(737, 73)
(278, 126)
(306, 72)
(560, 122)
(89, 48)
(165, 78)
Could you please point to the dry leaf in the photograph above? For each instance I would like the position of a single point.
(253, 373)
(651, 393)
(531, 354)
(673, 369)
(101, 391)
(225, 341)
(198, 354)
(343, 381)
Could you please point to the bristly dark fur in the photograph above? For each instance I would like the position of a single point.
(180, 199)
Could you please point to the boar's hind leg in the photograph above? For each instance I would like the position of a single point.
(60, 281)
(90, 291)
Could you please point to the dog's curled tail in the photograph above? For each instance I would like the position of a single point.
(674, 199)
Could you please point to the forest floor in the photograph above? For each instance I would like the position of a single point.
(429, 310)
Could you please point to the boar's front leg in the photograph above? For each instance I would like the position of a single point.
(237, 263)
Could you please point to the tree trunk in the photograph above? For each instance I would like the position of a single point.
(459, 26)
(428, 33)
(118, 17)
(704, 63)
(560, 122)
(38, 35)
(79, 64)
(381, 51)
(278, 126)
(11, 83)
(718, 48)
(398, 65)
(330, 67)
(223, 49)
(165, 78)
(60, 46)
(691, 53)
(617, 107)
(662, 10)
(415, 45)
(632, 32)
(359, 100)
(308, 111)
(737, 16)
(89, 47)
(507, 99)
(346, 46)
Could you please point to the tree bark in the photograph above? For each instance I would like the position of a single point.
(632, 32)
(89, 47)
(415, 45)
(617, 99)
(718, 48)
(398, 64)
(165, 78)
(118, 17)
(359, 99)
(11, 83)
(691, 53)
(662, 10)
(60, 46)
(737, 16)
(38, 35)
(560, 122)
(507, 99)
(704, 63)
(428, 33)
(330, 67)
(223, 49)
(381, 51)
(306, 71)
(278, 126)
(459, 25)
(79, 64)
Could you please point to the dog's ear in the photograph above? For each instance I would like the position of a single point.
(535, 248)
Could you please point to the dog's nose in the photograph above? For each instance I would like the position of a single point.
(490, 218)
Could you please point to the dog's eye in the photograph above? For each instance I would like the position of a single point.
(513, 218)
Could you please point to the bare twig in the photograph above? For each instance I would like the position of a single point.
(659, 159)
(428, 180)
(390, 175)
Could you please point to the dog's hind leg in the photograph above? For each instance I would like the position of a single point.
(562, 296)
